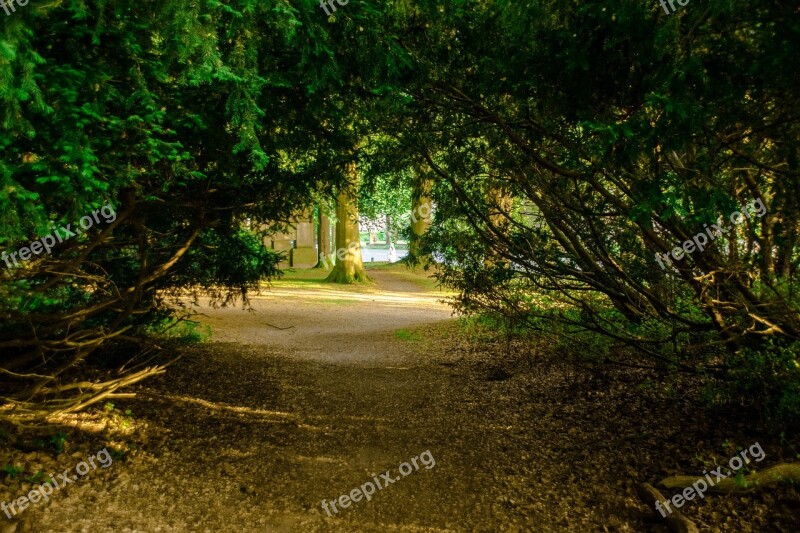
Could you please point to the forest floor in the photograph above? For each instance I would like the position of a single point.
(253, 429)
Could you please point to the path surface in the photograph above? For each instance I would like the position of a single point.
(252, 431)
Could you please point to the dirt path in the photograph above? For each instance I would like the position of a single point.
(262, 424)
(252, 431)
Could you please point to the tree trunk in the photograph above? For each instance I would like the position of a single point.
(499, 204)
(420, 212)
(323, 236)
(349, 265)
(388, 230)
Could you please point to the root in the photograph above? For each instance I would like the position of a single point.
(782, 472)
(675, 520)
(339, 276)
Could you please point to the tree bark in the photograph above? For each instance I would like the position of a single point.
(675, 520)
(349, 266)
(499, 203)
(323, 235)
(420, 212)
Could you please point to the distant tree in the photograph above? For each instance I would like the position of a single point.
(388, 198)
(323, 233)
(349, 266)
(421, 211)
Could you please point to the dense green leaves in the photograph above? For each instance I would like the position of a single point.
(188, 118)
(577, 140)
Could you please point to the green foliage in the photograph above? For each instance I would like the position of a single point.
(189, 119)
(122, 419)
(479, 328)
(390, 195)
(12, 471)
(739, 478)
(55, 443)
(36, 478)
(236, 258)
(181, 331)
(572, 141)
(117, 455)
(768, 375)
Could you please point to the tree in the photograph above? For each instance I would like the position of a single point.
(422, 208)
(186, 120)
(619, 132)
(349, 266)
(323, 233)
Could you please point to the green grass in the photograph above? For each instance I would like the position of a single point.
(310, 278)
(408, 336)
(304, 275)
